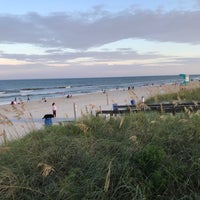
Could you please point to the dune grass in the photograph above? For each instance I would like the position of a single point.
(137, 156)
(140, 156)
(183, 95)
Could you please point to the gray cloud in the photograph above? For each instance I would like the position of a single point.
(85, 31)
(60, 57)
(198, 2)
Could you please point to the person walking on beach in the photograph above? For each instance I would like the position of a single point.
(54, 109)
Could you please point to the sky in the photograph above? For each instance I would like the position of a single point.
(98, 38)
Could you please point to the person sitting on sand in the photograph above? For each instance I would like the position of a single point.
(44, 99)
(69, 96)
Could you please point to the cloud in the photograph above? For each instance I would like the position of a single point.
(81, 57)
(78, 32)
(198, 2)
(68, 40)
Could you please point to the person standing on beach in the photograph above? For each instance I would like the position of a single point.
(142, 99)
(54, 108)
(28, 98)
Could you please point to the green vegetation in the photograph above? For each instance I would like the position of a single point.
(183, 95)
(138, 156)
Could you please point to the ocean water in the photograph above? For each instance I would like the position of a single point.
(37, 89)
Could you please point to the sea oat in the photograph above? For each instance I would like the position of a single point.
(121, 122)
(133, 95)
(3, 134)
(163, 117)
(179, 99)
(4, 149)
(195, 103)
(92, 106)
(5, 121)
(133, 138)
(107, 181)
(18, 113)
(5, 109)
(86, 110)
(46, 169)
(83, 127)
(183, 120)
(161, 108)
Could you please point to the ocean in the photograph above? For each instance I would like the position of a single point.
(36, 89)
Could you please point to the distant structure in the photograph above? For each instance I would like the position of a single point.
(186, 78)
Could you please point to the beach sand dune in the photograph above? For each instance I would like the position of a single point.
(18, 120)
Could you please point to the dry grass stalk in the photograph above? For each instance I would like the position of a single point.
(99, 110)
(5, 109)
(46, 169)
(175, 104)
(143, 106)
(113, 101)
(163, 117)
(86, 110)
(195, 103)
(133, 95)
(18, 113)
(121, 122)
(82, 114)
(133, 138)
(3, 134)
(179, 99)
(22, 114)
(5, 121)
(161, 108)
(4, 149)
(92, 106)
(187, 111)
(107, 181)
(29, 121)
(83, 127)
(183, 120)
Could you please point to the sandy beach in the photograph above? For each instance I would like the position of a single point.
(18, 120)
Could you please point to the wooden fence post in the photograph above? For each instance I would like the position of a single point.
(75, 110)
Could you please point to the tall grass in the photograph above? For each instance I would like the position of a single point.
(22, 116)
(183, 95)
(137, 156)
